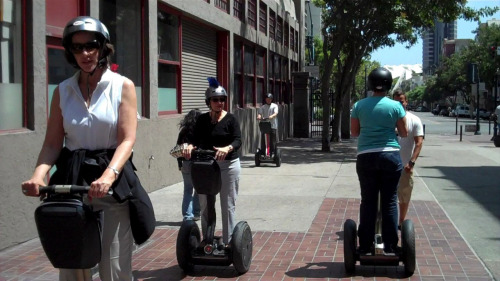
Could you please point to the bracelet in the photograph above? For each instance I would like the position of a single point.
(114, 171)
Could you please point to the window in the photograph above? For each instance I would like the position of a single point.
(296, 41)
(168, 62)
(238, 73)
(272, 24)
(239, 9)
(279, 30)
(223, 5)
(263, 17)
(260, 71)
(249, 74)
(11, 67)
(286, 34)
(249, 67)
(123, 19)
(292, 39)
(58, 69)
(252, 13)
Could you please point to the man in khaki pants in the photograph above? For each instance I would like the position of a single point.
(410, 149)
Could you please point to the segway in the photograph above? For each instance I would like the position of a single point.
(69, 230)
(206, 177)
(263, 154)
(377, 256)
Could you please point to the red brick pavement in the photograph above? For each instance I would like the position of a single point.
(441, 252)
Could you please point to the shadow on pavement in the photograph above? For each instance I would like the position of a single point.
(336, 270)
(478, 182)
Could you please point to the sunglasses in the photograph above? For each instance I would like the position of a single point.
(218, 99)
(89, 47)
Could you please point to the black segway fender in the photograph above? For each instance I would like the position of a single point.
(408, 246)
(257, 158)
(350, 244)
(188, 240)
(496, 141)
(277, 157)
(241, 247)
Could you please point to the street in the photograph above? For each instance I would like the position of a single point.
(463, 176)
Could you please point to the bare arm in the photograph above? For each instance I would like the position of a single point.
(419, 141)
(355, 127)
(51, 148)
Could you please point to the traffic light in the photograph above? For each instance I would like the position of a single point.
(493, 51)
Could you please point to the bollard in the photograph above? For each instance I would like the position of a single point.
(489, 127)
(456, 126)
(424, 132)
(460, 132)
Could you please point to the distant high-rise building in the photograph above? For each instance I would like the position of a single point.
(432, 44)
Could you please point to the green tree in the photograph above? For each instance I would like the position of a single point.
(354, 28)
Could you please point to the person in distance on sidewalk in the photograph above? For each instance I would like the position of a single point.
(378, 163)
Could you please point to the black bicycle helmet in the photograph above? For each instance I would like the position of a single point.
(380, 80)
(90, 24)
(85, 23)
(214, 90)
(269, 95)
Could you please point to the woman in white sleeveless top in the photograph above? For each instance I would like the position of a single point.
(95, 109)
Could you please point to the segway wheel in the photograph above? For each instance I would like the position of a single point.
(241, 247)
(350, 243)
(496, 141)
(277, 157)
(408, 246)
(257, 159)
(188, 240)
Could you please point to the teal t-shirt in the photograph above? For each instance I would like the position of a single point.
(377, 119)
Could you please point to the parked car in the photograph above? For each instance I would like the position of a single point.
(462, 111)
(444, 112)
(483, 114)
(422, 109)
(438, 109)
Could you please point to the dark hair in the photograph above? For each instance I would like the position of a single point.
(398, 92)
(186, 125)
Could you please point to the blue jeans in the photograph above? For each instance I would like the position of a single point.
(190, 200)
(379, 172)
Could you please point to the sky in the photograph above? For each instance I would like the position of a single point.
(399, 54)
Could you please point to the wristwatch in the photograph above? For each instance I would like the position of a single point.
(411, 163)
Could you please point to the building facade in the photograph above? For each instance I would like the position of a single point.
(167, 48)
(433, 44)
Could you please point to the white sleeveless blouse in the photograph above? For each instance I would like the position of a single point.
(96, 127)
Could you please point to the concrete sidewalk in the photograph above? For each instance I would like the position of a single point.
(296, 213)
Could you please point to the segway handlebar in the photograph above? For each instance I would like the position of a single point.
(66, 189)
(202, 152)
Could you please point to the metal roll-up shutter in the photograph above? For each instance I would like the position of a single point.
(199, 61)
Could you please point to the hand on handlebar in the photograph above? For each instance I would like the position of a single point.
(31, 187)
(186, 151)
(221, 152)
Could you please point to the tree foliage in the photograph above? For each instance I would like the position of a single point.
(451, 76)
(352, 29)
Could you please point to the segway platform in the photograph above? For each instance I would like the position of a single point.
(190, 251)
(376, 256)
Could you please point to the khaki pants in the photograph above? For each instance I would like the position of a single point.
(405, 187)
